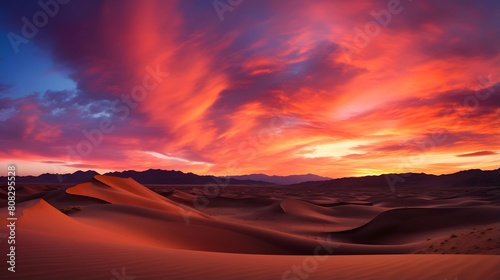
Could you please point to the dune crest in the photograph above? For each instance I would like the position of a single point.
(127, 191)
(400, 226)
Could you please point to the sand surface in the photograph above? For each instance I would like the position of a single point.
(114, 228)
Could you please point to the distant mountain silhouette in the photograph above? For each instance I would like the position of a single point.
(466, 178)
(77, 177)
(471, 178)
(151, 176)
(158, 176)
(282, 180)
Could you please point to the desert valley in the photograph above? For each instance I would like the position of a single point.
(354, 228)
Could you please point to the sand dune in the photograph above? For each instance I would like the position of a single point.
(126, 191)
(115, 223)
(400, 226)
(293, 207)
(99, 261)
(43, 219)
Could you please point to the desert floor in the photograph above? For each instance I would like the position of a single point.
(113, 228)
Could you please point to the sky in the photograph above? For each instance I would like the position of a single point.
(228, 87)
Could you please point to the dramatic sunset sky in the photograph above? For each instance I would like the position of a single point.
(243, 86)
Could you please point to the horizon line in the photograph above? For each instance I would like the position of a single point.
(211, 175)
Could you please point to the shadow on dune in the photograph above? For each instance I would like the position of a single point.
(400, 226)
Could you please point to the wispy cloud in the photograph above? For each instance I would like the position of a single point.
(478, 154)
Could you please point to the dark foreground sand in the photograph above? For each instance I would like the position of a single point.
(114, 228)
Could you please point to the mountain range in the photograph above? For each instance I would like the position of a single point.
(469, 178)
(157, 176)
(282, 180)
(473, 177)
(151, 176)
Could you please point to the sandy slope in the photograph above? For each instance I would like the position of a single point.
(127, 192)
(95, 260)
(119, 223)
(400, 226)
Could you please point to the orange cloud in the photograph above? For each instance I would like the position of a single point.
(268, 90)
